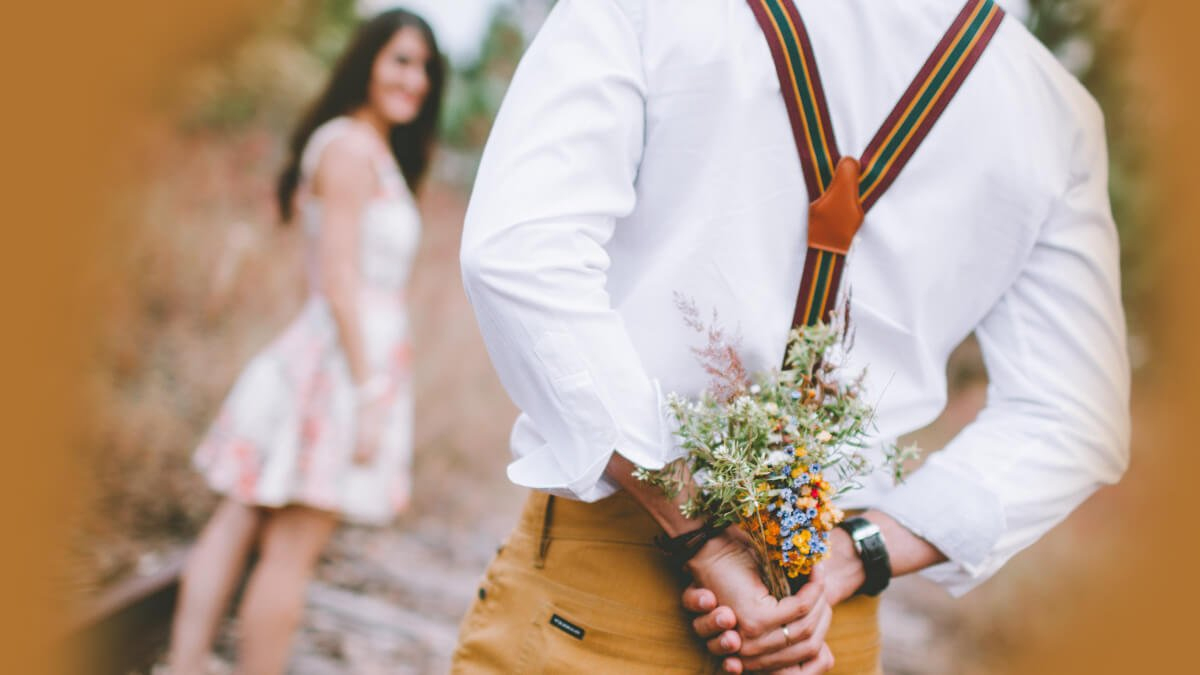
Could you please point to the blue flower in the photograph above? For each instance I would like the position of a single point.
(787, 545)
(795, 395)
(789, 449)
(815, 468)
(812, 513)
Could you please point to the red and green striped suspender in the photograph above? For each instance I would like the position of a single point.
(842, 189)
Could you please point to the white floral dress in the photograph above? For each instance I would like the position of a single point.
(286, 432)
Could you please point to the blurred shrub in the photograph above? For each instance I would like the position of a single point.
(477, 89)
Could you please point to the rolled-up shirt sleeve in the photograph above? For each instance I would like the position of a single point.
(1056, 425)
(558, 172)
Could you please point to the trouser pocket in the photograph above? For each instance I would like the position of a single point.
(574, 632)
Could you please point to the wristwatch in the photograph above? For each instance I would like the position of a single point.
(872, 550)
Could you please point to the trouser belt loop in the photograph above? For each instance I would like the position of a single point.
(544, 543)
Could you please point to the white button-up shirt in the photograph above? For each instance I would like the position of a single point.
(644, 151)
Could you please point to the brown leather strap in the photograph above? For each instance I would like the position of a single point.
(834, 218)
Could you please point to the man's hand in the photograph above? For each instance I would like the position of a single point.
(841, 574)
(750, 621)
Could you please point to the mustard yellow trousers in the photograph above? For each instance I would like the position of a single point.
(580, 588)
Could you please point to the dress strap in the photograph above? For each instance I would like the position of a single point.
(320, 139)
(382, 161)
(842, 189)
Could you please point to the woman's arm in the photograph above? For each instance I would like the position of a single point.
(345, 182)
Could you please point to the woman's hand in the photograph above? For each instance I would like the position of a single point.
(369, 427)
(743, 618)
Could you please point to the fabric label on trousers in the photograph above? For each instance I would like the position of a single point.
(566, 627)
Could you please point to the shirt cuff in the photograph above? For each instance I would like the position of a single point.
(955, 512)
(543, 469)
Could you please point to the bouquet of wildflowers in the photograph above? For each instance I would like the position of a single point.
(768, 453)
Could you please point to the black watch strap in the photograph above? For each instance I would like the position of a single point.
(684, 547)
(868, 541)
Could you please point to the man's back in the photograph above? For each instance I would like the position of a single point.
(718, 159)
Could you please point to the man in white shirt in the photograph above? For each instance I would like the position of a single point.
(644, 151)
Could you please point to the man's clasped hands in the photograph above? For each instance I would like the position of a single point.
(741, 621)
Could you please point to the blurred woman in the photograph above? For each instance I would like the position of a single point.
(318, 427)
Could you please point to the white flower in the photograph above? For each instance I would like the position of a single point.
(755, 389)
(701, 477)
(824, 436)
(777, 458)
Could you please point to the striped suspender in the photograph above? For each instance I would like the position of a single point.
(843, 189)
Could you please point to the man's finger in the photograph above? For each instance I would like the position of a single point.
(807, 628)
(799, 652)
(822, 664)
(809, 593)
(792, 608)
(699, 600)
(711, 624)
(725, 644)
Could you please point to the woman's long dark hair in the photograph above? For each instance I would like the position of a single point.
(412, 143)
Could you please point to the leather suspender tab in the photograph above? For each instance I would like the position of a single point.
(834, 218)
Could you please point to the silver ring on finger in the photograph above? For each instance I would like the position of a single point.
(787, 637)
